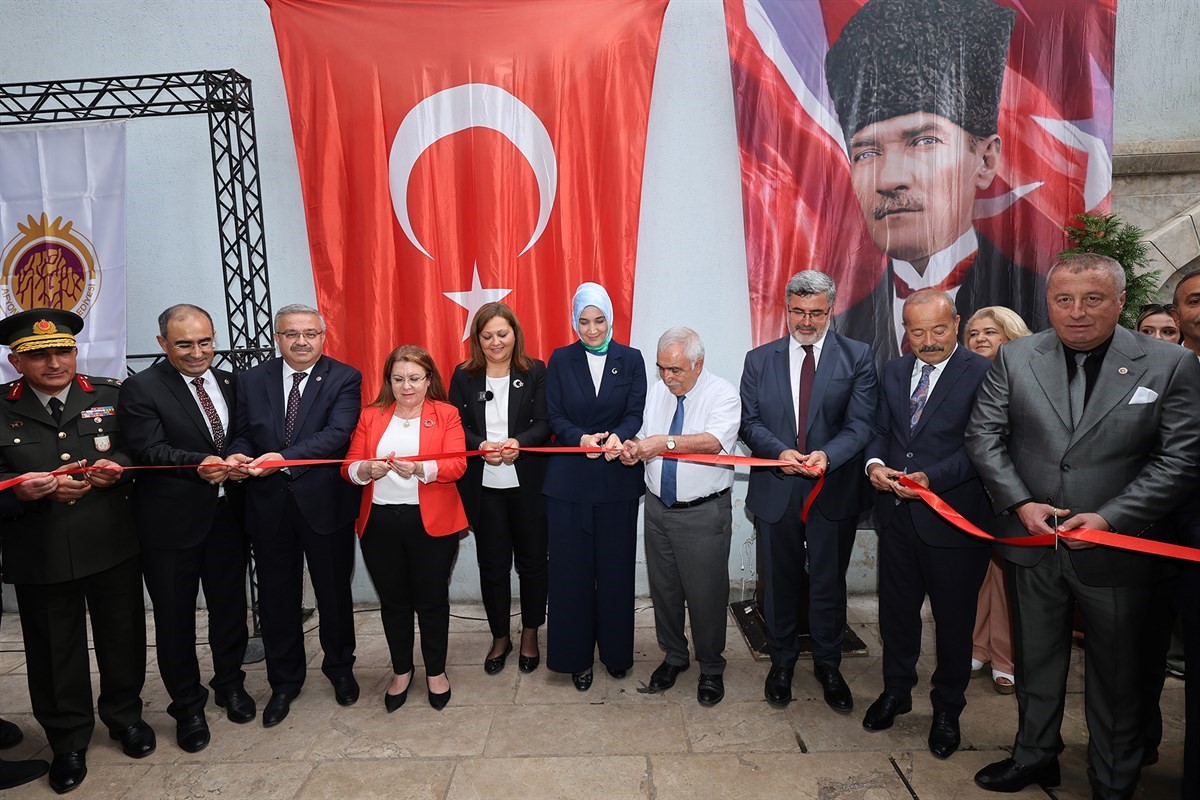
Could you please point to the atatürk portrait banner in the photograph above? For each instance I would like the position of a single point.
(905, 144)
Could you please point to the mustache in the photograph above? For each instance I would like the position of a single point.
(931, 348)
(896, 203)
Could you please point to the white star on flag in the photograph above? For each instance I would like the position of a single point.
(474, 298)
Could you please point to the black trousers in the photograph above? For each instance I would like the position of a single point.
(592, 552)
(823, 548)
(910, 569)
(173, 578)
(411, 573)
(281, 549)
(54, 624)
(1189, 608)
(504, 533)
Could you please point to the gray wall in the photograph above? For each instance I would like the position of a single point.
(691, 246)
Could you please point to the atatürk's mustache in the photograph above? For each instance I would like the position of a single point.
(897, 203)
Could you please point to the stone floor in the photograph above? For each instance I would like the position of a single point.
(533, 736)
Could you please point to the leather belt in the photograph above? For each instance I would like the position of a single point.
(699, 501)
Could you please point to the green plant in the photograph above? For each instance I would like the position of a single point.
(1108, 235)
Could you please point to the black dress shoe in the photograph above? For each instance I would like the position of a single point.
(582, 680)
(528, 663)
(439, 700)
(617, 673)
(710, 690)
(277, 707)
(68, 770)
(837, 693)
(137, 740)
(778, 687)
(884, 710)
(192, 733)
(1009, 776)
(345, 690)
(943, 734)
(664, 676)
(239, 706)
(16, 773)
(493, 665)
(393, 701)
(10, 735)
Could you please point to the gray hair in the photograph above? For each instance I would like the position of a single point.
(179, 311)
(1091, 262)
(924, 296)
(298, 308)
(693, 348)
(808, 282)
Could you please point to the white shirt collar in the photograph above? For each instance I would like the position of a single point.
(940, 265)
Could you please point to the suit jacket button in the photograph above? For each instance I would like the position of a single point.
(62, 434)
(70, 502)
(65, 457)
(1066, 467)
(908, 455)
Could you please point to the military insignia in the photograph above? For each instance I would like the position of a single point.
(16, 424)
(97, 411)
(48, 265)
(15, 392)
(518, 383)
(103, 443)
(84, 383)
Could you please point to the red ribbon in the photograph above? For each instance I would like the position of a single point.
(1106, 538)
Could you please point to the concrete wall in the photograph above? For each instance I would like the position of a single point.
(691, 247)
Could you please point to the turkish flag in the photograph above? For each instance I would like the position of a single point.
(458, 152)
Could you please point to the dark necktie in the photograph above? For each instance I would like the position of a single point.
(1077, 390)
(210, 411)
(293, 408)
(56, 408)
(670, 466)
(920, 396)
(808, 371)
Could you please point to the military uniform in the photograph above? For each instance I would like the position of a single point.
(72, 559)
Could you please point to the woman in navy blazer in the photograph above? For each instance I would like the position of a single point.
(595, 393)
(500, 392)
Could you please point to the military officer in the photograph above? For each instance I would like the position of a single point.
(73, 552)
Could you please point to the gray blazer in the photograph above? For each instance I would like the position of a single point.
(1134, 457)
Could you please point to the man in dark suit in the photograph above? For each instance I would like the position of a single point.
(916, 85)
(299, 514)
(16, 773)
(72, 555)
(925, 402)
(808, 399)
(1086, 425)
(180, 413)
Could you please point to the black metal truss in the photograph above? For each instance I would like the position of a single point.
(225, 98)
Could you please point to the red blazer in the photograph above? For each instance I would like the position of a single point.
(441, 432)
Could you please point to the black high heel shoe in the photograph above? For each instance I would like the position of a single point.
(582, 680)
(439, 700)
(393, 701)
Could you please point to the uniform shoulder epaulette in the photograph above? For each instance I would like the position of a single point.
(89, 381)
(12, 390)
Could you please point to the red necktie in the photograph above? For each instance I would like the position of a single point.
(210, 411)
(808, 370)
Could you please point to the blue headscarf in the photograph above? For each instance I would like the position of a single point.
(592, 294)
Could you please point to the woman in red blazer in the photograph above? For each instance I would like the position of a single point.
(411, 514)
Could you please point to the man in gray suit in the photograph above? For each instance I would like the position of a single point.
(1087, 425)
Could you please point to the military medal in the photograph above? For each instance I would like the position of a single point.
(103, 443)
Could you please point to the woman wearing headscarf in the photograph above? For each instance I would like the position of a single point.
(500, 393)
(986, 330)
(595, 393)
(411, 514)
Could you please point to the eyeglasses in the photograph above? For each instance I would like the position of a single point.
(187, 347)
(409, 379)
(293, 336)
(1157, 308)
(815, 316)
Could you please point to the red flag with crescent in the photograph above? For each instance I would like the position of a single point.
(458, 152)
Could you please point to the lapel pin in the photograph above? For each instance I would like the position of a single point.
(518, 383)
(1122, 370)
(428, 423)
(227, 381)
(614, 370)
(318, 377)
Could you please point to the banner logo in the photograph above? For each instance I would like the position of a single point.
(49, 265)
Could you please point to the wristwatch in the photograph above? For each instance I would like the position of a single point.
(670, 442)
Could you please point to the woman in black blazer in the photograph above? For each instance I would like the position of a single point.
(500, 392)
(595, 393)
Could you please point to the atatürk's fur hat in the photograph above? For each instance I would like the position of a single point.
(897, 57)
